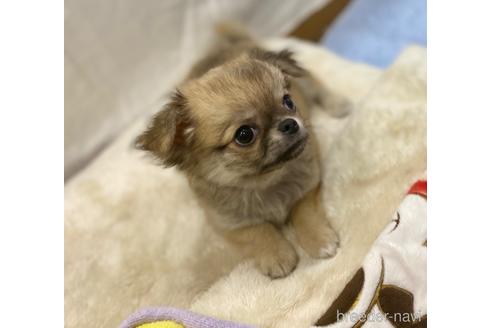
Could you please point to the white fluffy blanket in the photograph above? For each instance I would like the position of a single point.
(135, 236)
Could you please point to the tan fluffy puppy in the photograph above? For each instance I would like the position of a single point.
(238, 127)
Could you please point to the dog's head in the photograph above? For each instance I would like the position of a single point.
(234, 124)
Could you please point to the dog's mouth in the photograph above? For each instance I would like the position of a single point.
(292, 152)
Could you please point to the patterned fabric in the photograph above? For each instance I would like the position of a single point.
(390, 290)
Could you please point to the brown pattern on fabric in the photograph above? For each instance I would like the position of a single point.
(397, 304)
(348, 298)
(344, 301)
(374, 297)
(397, 222)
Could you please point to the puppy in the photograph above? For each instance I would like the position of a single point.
(238, 127)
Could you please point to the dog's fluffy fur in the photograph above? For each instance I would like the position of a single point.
(248, 192)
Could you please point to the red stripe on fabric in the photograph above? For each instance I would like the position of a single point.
(419, 188)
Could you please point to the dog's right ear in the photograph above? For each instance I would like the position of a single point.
(282, 59)
(168, 133)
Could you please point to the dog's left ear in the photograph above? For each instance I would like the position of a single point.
(281, 59)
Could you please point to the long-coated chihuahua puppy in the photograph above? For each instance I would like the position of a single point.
(238, 127)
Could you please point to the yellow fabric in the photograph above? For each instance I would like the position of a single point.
(162, 324)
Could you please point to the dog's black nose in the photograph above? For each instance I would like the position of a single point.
(288, 126)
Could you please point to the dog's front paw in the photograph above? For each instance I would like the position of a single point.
(277, 262)
(320, 243)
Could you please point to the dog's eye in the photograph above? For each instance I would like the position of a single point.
(245, 135)
(287, 101)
